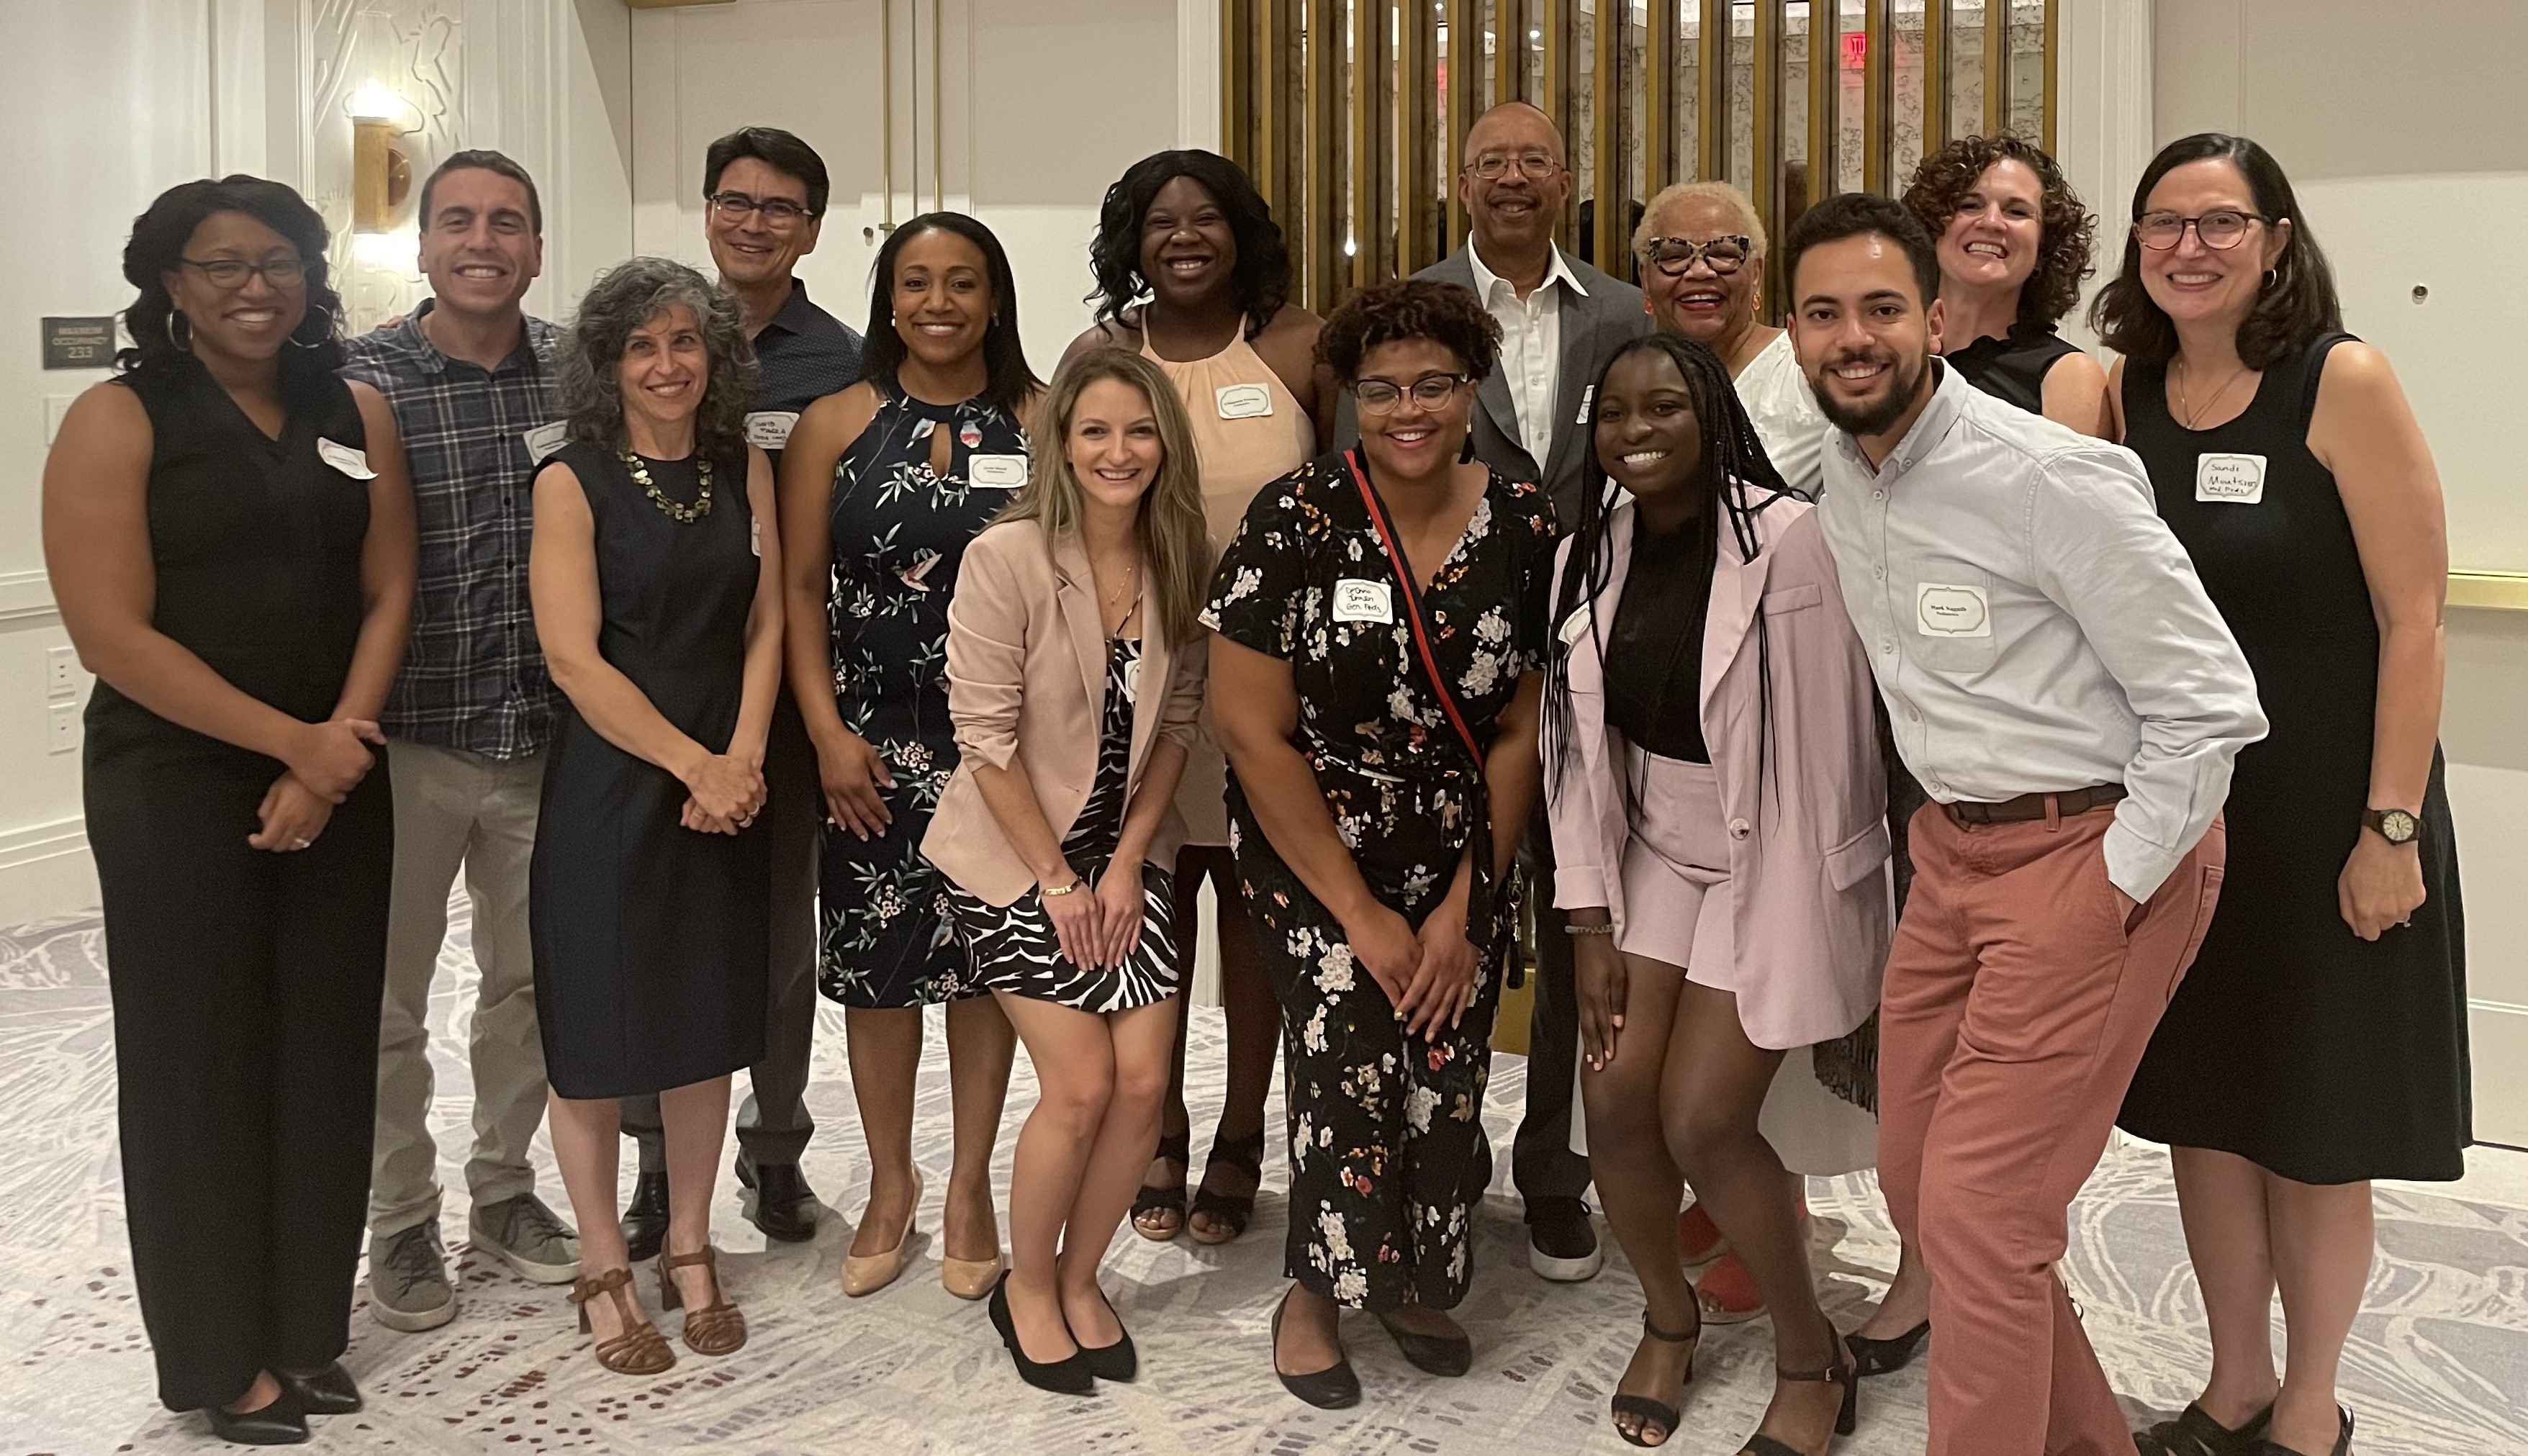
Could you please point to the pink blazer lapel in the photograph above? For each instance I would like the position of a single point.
(1076, 597)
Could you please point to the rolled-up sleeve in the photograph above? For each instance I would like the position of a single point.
(1181, 715)
(986, 658)
(2103, 553)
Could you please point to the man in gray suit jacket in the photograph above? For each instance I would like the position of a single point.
(1560, 319)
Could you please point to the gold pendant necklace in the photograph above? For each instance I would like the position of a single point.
(2192, 413)
(1115, 597)
(676, 510)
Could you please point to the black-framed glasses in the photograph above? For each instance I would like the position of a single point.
(779, 212)
(1494, 166)
(1381, 396)
(2221, 228)
(1673, 256)
(231, 274)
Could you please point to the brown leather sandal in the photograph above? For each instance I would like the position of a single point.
(640, 1350)
(716, 1328)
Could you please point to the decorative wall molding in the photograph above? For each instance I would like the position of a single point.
(26, 597)
(2104, 126)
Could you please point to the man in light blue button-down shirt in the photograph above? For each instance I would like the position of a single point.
(2064, 690)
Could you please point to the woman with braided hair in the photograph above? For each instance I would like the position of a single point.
(1720, 826)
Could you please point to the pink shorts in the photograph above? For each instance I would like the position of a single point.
(1677, 904)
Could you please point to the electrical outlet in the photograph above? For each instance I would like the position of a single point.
(61, 672)
(66, 727)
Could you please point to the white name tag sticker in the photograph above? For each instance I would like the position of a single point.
(1364, 601)
(755, 536)
(1952, 611)
(1588, 400)
(544, 441)
(1133, 680)
(1577, 627)
(770, 428)
(1244, 401)
(352, 462)
(997, 472)
(2229, 480)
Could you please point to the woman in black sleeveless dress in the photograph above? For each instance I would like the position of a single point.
(2320, 1039)
(655, 579)
(230, 539)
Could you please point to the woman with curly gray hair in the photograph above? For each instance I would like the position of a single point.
(656, 580)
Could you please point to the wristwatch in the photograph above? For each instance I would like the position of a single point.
(2394, 825)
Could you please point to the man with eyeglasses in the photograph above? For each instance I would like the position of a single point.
(470, 378)
(763, 196)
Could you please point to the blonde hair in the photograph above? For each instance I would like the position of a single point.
(1689, 191)
(1176, 544)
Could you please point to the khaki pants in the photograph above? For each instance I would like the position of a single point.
(452, 808)
(2018, 1002)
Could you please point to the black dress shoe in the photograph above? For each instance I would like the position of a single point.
(281, 1423)
(1118, 1362)
(2195, 1434)
(1878, 1357)
(327, 1392)
(786, 1207)
(1068, 1375)
(645, 1219)
(1436, 1354)
(1562, 1243)
(1333, 1389)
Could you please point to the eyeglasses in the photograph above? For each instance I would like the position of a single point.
(231, 274)
(1381, 396)
(1494, 166)
(2222, 227)
(1673, 256)
(779, 212)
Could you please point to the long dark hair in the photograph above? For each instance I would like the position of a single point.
(157, 247)
(1739, 484)
(1262, 279)
(2294, 309)
(1011, 382)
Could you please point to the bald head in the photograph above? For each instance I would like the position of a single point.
(1514, 185)
(1513, 125)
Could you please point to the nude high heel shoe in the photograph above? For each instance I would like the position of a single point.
(866, 1274)
(971, 1279)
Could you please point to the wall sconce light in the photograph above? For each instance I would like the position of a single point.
(381, 170)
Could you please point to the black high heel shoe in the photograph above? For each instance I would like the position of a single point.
(329, 1391)
(1118, 1362)
(278, 1422)
(1447, 1356)
(1878, 1357)
(1333, 1389)
(1068, 1375)
(1646, 1411)
(2195, 1434)
(1840, 1373)
(2343, 1440)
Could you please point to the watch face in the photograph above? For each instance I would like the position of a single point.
(2397, 826)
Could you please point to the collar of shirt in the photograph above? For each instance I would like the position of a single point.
(795, 315)
(1489, 282)
(408, 337)
(1949, 390)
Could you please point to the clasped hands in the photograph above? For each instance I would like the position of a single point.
(725, 794)
(326, 763)
(1427, 976)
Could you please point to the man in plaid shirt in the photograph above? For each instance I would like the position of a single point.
(471, 381)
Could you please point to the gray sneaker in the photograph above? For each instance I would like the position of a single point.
(525, 1236)
(408, 1289)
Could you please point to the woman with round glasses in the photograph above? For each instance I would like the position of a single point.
(2014, 245)
(230, 536)
(1375, 675)
(1702, 251)
(2320, 1039)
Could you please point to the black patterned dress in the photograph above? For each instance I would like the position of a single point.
(1014, 947)
(899, 532)
(1388, 1154)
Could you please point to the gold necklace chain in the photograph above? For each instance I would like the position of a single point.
(2192, 413)
(1115, 599)
(676, 510)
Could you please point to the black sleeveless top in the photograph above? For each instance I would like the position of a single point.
(257, 546)
(1654, 655)
(2013, 367)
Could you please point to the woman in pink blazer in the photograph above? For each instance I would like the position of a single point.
(1075, 672)
(1720, 826)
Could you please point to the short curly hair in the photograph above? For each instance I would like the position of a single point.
(2064, 226)
(624, 299)
(1409, 308)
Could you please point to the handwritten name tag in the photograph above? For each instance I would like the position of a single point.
(545, 441)
(1364, 601)
(352, 462)
(755, 536)
(1244, 401)
(770, 428)
(1576, 627)
(1133, 680)
(2229, 480)
(997, 472)
(1952, 611)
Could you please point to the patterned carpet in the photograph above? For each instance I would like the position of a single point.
(2438, 1364)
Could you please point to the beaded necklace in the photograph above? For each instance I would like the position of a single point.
(676, 510)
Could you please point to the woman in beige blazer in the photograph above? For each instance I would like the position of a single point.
(1075, 673)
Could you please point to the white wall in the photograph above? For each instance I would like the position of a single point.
(2401, 130)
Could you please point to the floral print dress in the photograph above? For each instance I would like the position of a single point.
(899, 532)
(1388, 1154)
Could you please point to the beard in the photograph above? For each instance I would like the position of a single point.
(1881, 414)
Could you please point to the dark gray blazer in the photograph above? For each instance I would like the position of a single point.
(1593, 328)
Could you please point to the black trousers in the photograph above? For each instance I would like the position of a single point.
(773, 1124)
(1542, 1164)
(246, 990)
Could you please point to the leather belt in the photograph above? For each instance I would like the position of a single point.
(2028, 806)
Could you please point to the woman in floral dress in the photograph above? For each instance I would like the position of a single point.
(883, 485)
(1380, 718)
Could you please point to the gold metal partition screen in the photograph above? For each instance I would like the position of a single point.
(1351, 115)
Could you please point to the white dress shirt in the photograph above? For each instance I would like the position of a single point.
(2034, 626)
(1784, 411)
(1531, 352)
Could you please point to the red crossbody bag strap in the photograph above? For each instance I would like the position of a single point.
(1413, 609)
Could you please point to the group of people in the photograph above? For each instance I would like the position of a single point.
(1917, 746)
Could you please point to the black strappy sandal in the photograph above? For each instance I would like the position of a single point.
(1840, 1373)
(1878, 1357)
(2195, 1434)
(1650, 1412)
(1176, 1148)
(1233, 1209)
